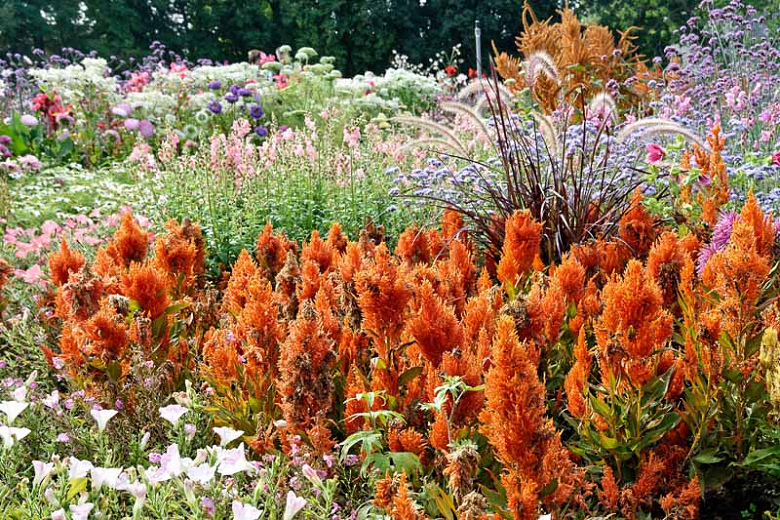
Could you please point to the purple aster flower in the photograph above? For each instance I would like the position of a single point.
(234, 89)
(215, 85)
(215, 107)
(231, 98)
(244, 92)
(256, 111)
(146, 128)
(261, 131)
(722, 232)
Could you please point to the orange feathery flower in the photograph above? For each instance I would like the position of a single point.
(311, 278)
(434, 328)
(570, 277)
(64, 262)
(320, 252)
(220, 356)
(286, 284)
(462, 466)
(664, 265)
(355, 385)
(521, 495)
(272, 251)
(235, 295)
(633, 325)
(386, 489)
(522, 236)
(737, 274)
(129, 244)
(79, 298)
(336, 239)
(577, 378)
(258, 328)
(403, 506)
(146, 285)
(181, 253)
(763, 226)
(439, 433)
(418, 246)
(610, 491)
(305, 383)
(553, 310)
(637, 227)
(383, 294)
(106, 333)
(684, 504)
(452, 227)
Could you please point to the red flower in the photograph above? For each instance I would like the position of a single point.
(776, 158)
(451, 70)
(472, 73)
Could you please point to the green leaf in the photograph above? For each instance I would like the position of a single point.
(549, 488)
(77, 485)
(608, 443)
(409, 462)
(409, 375)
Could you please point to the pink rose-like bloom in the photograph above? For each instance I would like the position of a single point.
(30, 162)
(776, 158)
(654, 153)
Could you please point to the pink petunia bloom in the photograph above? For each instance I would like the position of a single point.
(655, 153)
(776, 158)
(33, 275)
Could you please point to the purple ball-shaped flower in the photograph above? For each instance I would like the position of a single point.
(261, 131)
(146, 128)
(215, 107)
(5, 139)
(231, 98)
(29, 120)
(234, 89)
(244, 92)
(215, 85)
(132, 124)
(256, 111)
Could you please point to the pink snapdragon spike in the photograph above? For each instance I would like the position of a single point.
(655, 153)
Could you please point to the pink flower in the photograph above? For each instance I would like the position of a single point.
(654, 153)
(294, 504)
(32, 275)
(776, 158)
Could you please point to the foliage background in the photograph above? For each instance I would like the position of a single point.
(360, 33)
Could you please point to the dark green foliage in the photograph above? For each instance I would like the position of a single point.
(360, 33)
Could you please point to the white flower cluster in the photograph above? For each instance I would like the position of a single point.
(79, 81)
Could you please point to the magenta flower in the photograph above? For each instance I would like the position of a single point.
(776, 158)
(146, 128)
(654, 153)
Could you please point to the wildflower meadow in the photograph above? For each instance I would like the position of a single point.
(543, 286)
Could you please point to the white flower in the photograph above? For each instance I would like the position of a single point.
(81, 511)
(102, 417)
(294, 504)
(311, 474)
(108, 477)
(52, 400)
(42, 470)
(546, 517)
(59, 515)
(233, 461)
(20, 394)
(137, 489)
(172, 413)
(12, 409)
(78, 468)
(202, 474)
(227, 435)
(144, 440)
(9, 435)
(171, 465)
(244, 511)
